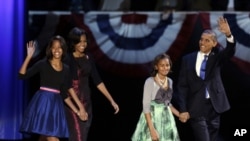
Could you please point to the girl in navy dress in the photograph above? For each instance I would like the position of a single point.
(45, 113)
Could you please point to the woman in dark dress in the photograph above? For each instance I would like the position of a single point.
(45, 113)
(83, 69)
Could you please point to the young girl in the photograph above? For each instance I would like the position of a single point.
(45, 113)
(156, 122)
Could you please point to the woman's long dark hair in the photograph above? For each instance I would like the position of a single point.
(74, 37)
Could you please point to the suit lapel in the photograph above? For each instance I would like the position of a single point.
(210, 63)
(193, 59)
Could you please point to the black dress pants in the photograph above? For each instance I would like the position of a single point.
(206, 127)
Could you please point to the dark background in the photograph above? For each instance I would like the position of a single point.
(127, 91)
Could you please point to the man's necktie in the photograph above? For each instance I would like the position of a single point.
(203, 72)
(203, 67)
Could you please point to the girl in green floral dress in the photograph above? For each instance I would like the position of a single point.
(156, 122)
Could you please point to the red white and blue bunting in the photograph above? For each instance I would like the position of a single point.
(125, 43)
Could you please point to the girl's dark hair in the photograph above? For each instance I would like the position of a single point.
(74, 37)
(62, 43)
(157, 60)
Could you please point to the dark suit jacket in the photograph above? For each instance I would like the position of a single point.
(191, 88)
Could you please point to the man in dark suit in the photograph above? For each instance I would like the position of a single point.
(203, 99)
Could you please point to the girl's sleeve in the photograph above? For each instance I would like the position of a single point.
(67, 84)
(147, 94)
(32, 70)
